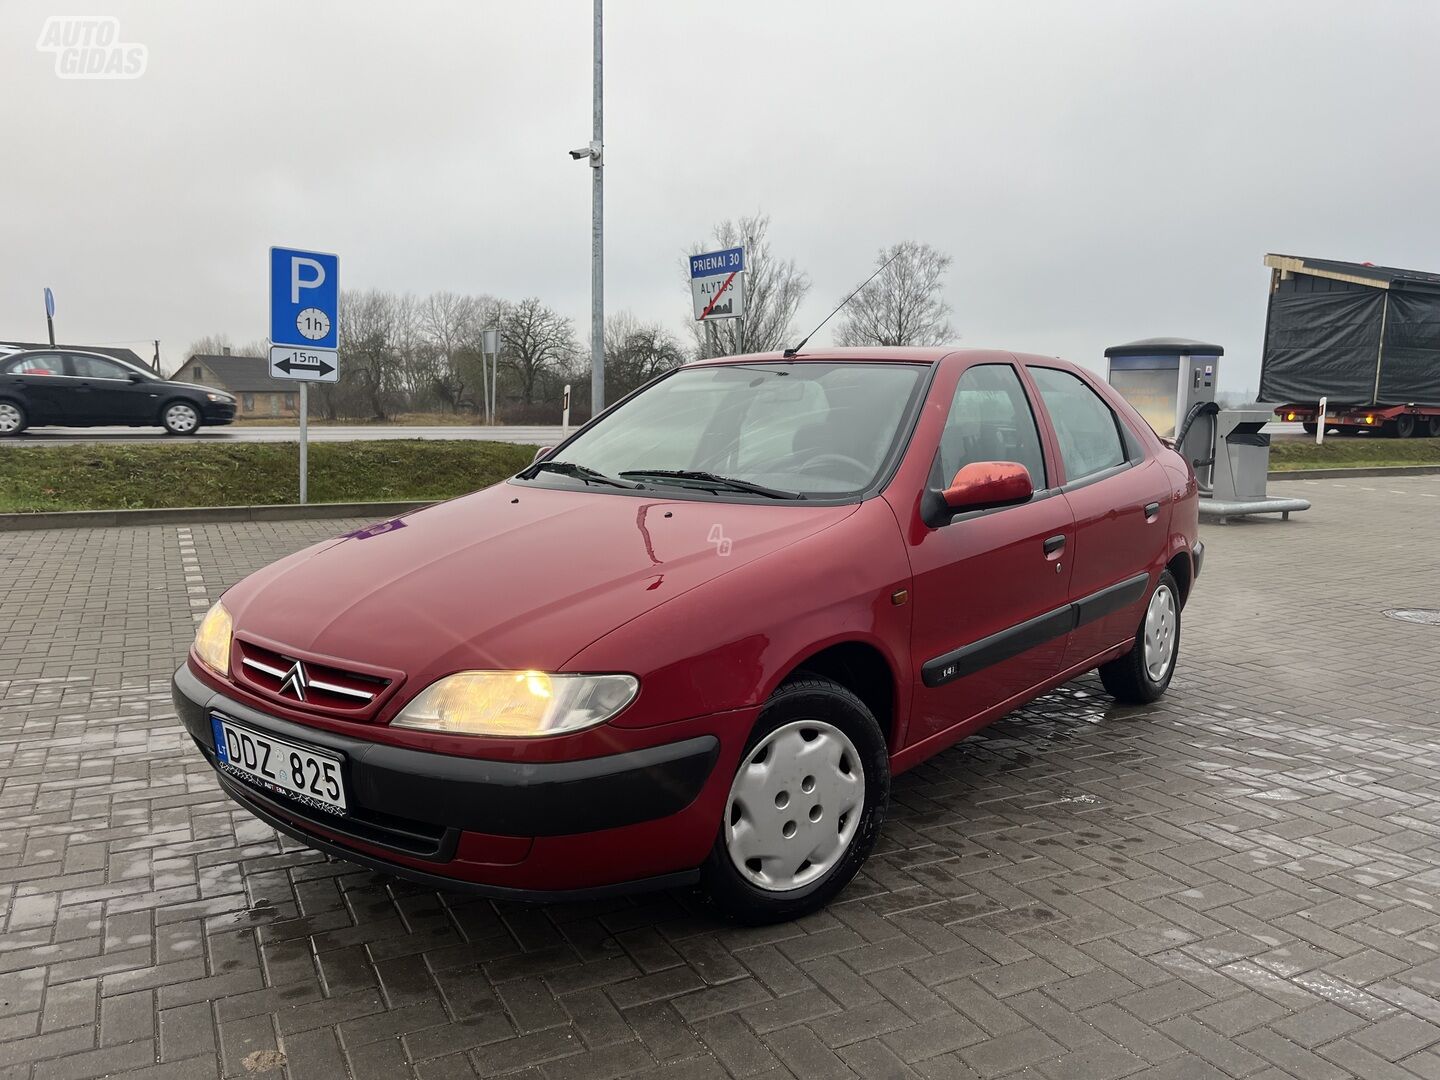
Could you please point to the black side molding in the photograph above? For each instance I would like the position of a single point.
(1108, 601)
(1024, 636)
(971, 658)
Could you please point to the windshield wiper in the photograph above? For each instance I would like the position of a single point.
(729, 483)
(580, 472)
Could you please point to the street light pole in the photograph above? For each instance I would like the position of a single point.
(597, 231)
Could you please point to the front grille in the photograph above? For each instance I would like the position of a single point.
(418, 838)
(308, 684)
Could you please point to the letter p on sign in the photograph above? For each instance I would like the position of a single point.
(299, 263)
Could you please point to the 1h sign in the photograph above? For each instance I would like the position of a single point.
(304, 315)
(717, 284)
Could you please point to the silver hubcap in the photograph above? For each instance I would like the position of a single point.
(1160, 633)
(180, 418)
(9, 417)
(794, 806)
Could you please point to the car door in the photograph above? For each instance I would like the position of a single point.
(105, 393)
(1120, 500)
(991, 587)
(38, 380)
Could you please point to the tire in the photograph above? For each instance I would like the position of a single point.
(180, 418)
(1434, 428)
(1402, 427)
(1135, 679)
(12, 418)
(851, 769)
(1310, 426)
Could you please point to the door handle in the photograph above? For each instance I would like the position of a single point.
(1054, 544)
(1152, 509)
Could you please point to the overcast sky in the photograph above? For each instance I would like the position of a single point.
(1100, 171)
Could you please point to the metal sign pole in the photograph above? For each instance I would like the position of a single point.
(304, 440)
(597, 233)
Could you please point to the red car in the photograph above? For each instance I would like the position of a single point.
(696, 640)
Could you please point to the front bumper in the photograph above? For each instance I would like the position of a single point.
(461, 821)
(1197, 559)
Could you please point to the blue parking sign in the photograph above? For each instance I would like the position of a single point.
(304, 298)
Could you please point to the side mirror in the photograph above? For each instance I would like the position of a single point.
(540, 453)
(983, 484)
(136, 377)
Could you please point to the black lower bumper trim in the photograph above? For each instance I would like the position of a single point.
(502, 798)
(240, 793)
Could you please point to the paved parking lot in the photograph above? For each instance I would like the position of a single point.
(1243, 880)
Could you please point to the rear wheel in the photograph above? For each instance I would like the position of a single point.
(1433, 429)
(1143, 674)
(181, 418)
(12, 418)
(1402, 427)
(1310, 427)
(805, 805)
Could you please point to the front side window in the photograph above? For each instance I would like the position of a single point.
(1088, 432)
(990, 420)
(95, 367)
(45, 364)
(806, 427)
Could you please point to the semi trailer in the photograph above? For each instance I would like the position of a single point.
(1364, 338)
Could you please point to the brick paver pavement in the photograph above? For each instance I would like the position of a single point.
(1243, 880)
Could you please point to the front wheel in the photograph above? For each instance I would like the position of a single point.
(181, 418)
(1144, 673)
(805, 805)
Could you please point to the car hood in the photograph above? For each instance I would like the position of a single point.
(510, 577)
(197, 386)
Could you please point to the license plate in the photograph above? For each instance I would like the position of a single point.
(300, 771)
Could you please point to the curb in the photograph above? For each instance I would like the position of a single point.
(185, 515)
(1378, 470)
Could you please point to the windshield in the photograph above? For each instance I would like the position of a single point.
(818, 429)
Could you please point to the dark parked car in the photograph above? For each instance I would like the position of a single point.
(697, 639)
(81, 389)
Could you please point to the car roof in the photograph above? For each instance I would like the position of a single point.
(895, 354)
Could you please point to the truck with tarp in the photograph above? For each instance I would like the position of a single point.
(1365, 338)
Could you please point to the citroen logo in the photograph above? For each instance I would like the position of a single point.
(295, 680)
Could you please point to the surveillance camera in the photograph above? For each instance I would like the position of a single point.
(581, 154)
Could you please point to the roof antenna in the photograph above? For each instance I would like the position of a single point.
(790, 354)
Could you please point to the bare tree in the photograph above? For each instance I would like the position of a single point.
(636, 352)
(774, 289)
(535, 341)
(447, 322)
(903, 306)
(372, 331)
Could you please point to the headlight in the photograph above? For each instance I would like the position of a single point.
(521, 704)
(220, 397)
(212, 639)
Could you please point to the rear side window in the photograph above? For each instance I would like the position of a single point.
(990, 420)
(1088, 432)
(35, 365)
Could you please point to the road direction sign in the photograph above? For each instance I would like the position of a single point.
(717, 284)
(309, 365)
(304, 299)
